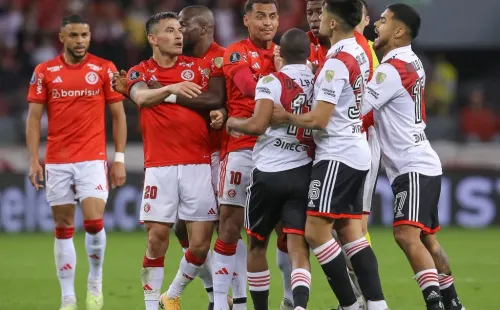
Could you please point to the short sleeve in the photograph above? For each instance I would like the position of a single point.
(384, 84)
(110, 94)
(331, 80)
(268, 87)
(135, 75)
(37, 92)
(235, 58)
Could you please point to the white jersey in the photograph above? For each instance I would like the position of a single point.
(396, 93)
(341, 82)
(284, 148)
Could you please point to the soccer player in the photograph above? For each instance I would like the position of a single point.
(319, 44)
(198, 41)
(396, 96)
(75, 87)
(342, 159)
(244, 62)
(280, 179)
(177, 170)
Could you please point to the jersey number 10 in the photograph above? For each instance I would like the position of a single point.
(297, 106)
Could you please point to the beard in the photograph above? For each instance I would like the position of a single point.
(74, 55)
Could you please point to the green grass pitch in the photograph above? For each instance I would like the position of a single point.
(28, 278)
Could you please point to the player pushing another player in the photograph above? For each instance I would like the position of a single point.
(178, 181)
(75, 87)
(280, 180)
(396, 97)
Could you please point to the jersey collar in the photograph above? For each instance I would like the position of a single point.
(298, 67)
(394, 52)
(339, 44)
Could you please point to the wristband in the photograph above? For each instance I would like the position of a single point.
(171, 99)
(119, 157)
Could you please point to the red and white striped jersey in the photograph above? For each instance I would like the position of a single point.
(396, 93)
(284, 148)
(341, 82)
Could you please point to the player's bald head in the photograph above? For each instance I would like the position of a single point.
(198, 13)
(294, 46)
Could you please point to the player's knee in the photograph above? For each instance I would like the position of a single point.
(256, 245)
(93, 226)
(157, 242)
(406, 236)
(199, 249)
(311, 237)
(431, 244)
(229, 230)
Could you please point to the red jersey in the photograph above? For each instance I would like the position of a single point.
(215, 55)
(318, 51)
(239, 55)
(172, 134)
(75, 97)
(363, 42)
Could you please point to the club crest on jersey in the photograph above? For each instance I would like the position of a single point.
(33, 79)
(380, 77)
(267, 79)
(187, 75)
(91, 78)
(329, 75)
(218, 61)
(134, 75)
(235, 57)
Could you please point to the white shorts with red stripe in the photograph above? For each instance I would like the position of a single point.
(234, 178)
(182, 191)
(69, 183)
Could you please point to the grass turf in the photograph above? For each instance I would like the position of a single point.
(28, 279)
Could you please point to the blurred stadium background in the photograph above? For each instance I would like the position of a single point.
(459, 46)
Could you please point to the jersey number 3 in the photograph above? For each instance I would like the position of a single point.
(355, 111)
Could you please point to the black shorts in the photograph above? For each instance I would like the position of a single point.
(334, 189)
(416, 201)
(277, 196)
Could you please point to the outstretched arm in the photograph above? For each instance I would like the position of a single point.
(258, 123)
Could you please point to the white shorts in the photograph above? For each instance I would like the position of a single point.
(371, 177)
(68, 183)
(215, 169)
(182, 191)
(234, 178)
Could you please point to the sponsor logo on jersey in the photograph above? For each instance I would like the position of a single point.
(186, 64)
(263, 90)
(56, 94)
(91, 78)
(94, 67)
(187, 75)
(235, 57)
(152, 70)
(218, 61)
(33, 79)
(254, 54)
(39, 84)
(290, 146)
(329, 75)
(54, 68)
(380, 77)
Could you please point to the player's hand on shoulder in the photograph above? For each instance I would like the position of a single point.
(278, 60)
(233, 133)
(36, 174)
(118, 174)
(119, 82)
(217, 119)
(186, 89)
(280, 115)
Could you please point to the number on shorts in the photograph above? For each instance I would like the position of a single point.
(150, 192)
(235, 177)
(314, 190)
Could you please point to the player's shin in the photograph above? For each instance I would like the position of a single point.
(205, 276)
(283, 260)
(259, 276)
(329, 255)
(239, 280)
(301, 274)
(65, 256)
(189, 268)
(95, 244)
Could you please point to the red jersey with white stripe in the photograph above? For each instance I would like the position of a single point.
(239, 55)
(396, 93)
(285, 148)
(75, 97)
(172, 134)
(341, 82)
(215, 55)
